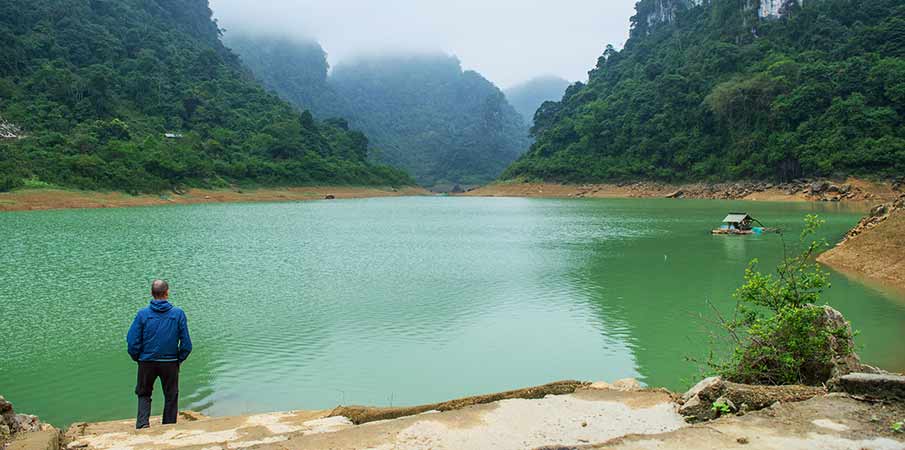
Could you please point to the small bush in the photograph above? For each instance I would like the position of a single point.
(780, 334)
(35, 183)
(720, 408)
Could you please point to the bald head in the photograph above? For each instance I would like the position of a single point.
(160, 290)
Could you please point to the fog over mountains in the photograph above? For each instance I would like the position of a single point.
(508, 41)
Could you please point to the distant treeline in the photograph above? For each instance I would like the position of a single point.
(423, 113)
(96, 86)
(716, 93)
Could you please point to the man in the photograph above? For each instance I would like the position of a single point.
(159, 341)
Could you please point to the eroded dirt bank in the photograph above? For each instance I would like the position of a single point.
(851, 190)
(875, 248)
(43, 199)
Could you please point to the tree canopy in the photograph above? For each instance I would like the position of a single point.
(98, 86)
(716, 92)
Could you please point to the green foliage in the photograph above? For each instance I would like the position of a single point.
(719, 94)
(96, 85)
(777, 326)
(720, 408)
(10, 182)
(34, 183)
(898, 427)
(422, 113)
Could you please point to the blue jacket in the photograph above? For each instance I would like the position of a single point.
(159, 332)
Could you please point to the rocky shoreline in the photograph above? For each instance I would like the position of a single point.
(850, 190)
(24, 431)
(855, 411)
(875, 248)
(856, 407)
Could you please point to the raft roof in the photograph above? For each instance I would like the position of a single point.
(736, 218)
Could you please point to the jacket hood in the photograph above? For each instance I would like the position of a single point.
(161, 306)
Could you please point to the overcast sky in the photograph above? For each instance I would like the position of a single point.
(508, 41)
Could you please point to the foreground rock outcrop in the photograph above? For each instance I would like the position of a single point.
(619, 415)
(24, 431)
(564, 413)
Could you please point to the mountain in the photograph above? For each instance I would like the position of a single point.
(297, 70)
(428, 116)
(722, 89)
(141, 96)
(422, 112)
(527, 97)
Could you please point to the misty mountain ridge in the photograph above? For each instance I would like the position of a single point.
(421, 111)
(528, 96)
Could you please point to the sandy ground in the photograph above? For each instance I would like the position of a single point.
(42, 199)
(877, 254)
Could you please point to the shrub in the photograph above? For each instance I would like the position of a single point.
(780, 334)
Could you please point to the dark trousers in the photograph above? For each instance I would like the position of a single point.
(148, 372)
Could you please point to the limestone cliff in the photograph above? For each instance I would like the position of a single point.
(654, 12)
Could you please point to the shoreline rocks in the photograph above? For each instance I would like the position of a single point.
(878, 214)
(14, 427)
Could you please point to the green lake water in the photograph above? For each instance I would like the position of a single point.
(386, 301)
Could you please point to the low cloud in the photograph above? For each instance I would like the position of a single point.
(508, 41)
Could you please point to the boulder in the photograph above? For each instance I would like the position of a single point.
(26, 423)
(12, 424)
(879, 210)
(819, 187)
(844, 360)
(871, 385)
(707, 387)
(697, 404)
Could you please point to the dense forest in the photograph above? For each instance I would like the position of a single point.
(423, 113)
(734, 90)
(527, 97)
(141, 96)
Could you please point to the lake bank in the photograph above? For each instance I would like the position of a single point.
(50, 199)
(855, 191)
(875, 248)
(567, 414)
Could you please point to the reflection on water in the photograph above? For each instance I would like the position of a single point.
(383, 301)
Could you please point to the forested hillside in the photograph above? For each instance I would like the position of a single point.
(733, 90)
(296, 70)
(427, 116)
(527, 97)
(93, 88)
(423, 113)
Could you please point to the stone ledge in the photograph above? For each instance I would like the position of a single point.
(870, 385)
